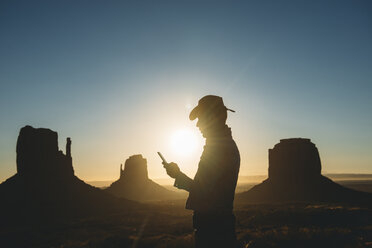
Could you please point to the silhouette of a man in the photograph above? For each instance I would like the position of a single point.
(211, 192)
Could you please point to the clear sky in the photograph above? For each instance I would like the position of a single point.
(120, 77)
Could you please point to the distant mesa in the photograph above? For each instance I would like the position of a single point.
(295, 175)
(134, 183)
(45, 184)
(294, 161)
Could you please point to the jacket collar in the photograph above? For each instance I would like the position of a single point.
(219, 135)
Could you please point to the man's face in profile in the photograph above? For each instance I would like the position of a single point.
(208, 122)
(202, 124)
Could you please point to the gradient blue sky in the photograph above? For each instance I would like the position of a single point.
(118, 77)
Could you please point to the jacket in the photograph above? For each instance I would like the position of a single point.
(213, 188)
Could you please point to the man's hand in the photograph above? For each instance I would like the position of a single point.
(172, 169)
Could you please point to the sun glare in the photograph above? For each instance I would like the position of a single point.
(184, 142)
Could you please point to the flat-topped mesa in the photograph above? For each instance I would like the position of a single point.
(295, 175)
(294, 160)
(135, 168)
(38, 155)
(134, 183)
(45, 187)
(35, 149)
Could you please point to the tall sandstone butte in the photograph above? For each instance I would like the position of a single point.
(295, 175)
(294, 161)
(38, 156)
(45, 185)
(134, 183)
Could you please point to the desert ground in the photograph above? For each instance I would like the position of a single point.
(167, 224)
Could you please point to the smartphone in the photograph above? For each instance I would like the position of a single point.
(162, 158)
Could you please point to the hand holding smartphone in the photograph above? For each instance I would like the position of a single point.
(162, 158)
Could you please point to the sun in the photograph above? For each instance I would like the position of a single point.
(185, 142)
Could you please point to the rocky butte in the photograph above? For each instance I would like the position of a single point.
(38, 156)
(295, 175)
(45, 185)
(134, 183)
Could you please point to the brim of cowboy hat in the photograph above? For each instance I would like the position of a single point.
(194, 113)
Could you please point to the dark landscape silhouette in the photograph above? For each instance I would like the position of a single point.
(134, 183)
(45, 205)
(45, 185)
(295, 175)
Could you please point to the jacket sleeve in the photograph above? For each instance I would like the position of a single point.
(183, 182)
(205, 178)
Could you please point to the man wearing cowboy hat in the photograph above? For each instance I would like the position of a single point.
(211, 192)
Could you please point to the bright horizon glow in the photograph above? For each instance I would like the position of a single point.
(184, 142)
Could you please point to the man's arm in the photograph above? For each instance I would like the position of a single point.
(183, 182)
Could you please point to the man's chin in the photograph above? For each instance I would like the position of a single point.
(204, 134)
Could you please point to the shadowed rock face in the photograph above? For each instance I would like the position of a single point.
(294, 161)
(38, 156)
(45, 186)
(134, 183)
(295, 175)
(135, 169)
